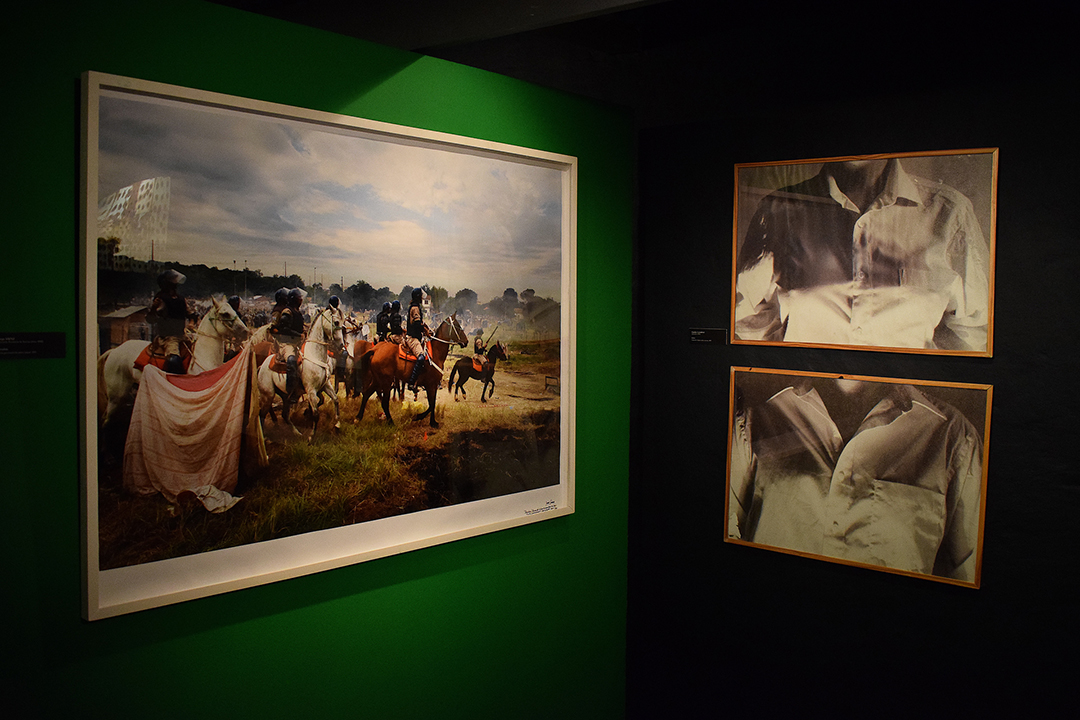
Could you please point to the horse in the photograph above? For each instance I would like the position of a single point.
(381, 366)
(118, 378)
(355, 347)
(465, 371)
(316, 374)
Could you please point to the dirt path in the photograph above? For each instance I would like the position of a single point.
(530, 391)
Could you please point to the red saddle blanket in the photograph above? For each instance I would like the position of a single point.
(147, 357)
(477, 365)
(404, 354)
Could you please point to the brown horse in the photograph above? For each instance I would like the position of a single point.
(381, 366)
(465, 371)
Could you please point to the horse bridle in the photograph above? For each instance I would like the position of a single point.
(322, 314)
(214, 320)
(454, 326)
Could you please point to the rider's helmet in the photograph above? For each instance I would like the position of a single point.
(170, 276)
(334, 301)
(479, 332)
(395, 306)
(386, 307)
(417, 294)
(281, 295)
(296, 296)
(235, 302)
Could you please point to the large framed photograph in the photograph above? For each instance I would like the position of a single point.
(882, 473)
(310, 340)
(890, 252)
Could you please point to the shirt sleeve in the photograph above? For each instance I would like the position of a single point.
(958, 554)
(967, 315)
(757, 307)
(740, 477)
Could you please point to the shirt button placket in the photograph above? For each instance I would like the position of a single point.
(860, 271)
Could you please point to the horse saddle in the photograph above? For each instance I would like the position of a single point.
(403, 354)
(477, 364)
(278, 365)
(154, 354)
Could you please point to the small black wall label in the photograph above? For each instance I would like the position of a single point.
(708, 335)
(32, 345)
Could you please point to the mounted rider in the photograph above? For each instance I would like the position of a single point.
(479, 346)
(334, 306)
(415, 332)
(382, 322)
(169, 313)
(281, 301)
(288, 331)
(397, 328)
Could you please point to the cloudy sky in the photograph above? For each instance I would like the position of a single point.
(333, 204)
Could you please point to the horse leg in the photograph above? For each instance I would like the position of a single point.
(432, 391)
(286, 413)
(364, 397)
(314, 401)
(337, 408)
(384, 397)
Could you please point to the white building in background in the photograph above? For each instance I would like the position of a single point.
(139, 216)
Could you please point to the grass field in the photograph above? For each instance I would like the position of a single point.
(358, 473)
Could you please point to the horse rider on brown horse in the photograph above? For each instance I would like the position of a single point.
(415, 332)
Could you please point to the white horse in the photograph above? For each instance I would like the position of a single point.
(118, 378)
(316, 374)
(356, 344)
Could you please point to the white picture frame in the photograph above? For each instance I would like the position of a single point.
(130, 139)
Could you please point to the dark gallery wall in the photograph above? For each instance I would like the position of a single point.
(721, 630)
(528, 622)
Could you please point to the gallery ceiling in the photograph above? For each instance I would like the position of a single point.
(618, 51)
(424, 25)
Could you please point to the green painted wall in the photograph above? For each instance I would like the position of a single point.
(523, 623)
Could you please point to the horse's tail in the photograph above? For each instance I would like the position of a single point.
(102, 395)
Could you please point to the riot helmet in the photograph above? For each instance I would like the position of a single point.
(296, 297)
(171, 276)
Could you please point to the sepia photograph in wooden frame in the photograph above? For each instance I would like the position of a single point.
(882, 473)
(889, 252)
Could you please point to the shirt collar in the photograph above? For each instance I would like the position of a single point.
(899, 187)
(898, 400)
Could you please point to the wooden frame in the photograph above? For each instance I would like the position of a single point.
(882, 473)
(216, 178)
(905, 264)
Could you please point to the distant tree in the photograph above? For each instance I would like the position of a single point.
(466, 299)
(439, 296)
(405, 296)
(506, 305)
(361, 294)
